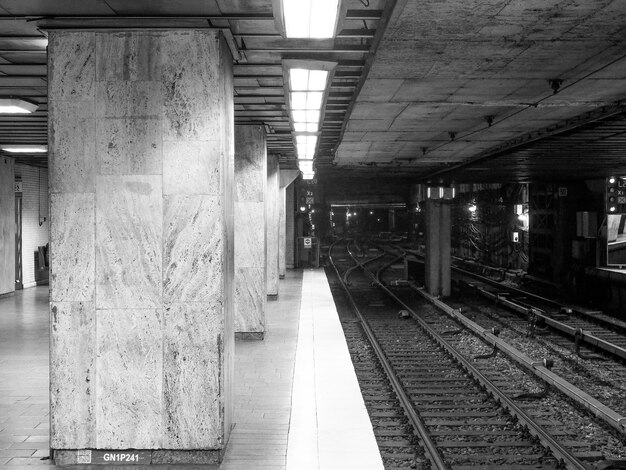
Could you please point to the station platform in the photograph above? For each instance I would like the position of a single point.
(297, 401)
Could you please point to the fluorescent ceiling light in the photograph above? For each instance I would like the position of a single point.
(299, 79)
(314, 99)
(307, 80)
(309, 140)
(306, 95)
(298, 99)
(305, 126)
(310, 18)
(312, 115)
(317, 80)
(305, 145)
(299, 116)
(306, 100)
(306, 166)
(16, 106)
(25, 148)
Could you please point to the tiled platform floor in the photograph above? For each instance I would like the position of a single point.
(24, 424)
(297, 402)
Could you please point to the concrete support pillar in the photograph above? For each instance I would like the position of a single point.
(413, 207)
(437, 266)
(282, 235)
(250, 191)
(141, 167)
(7, 225)
(273, 220)
(290, 226)
(392, 220)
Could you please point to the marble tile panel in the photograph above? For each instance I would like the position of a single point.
(7, 243)
(129, 99)
(192, 167)
(128, 241)
(250, 167)
(228, 183)
(250, 299)
(72, 137)
(272, 220)
(192, 394)
(129, 378)
(282, 233)
(191, 83)
(193, 248)
(290, 226)
(71, 65)
(128, 56)
(7, 225)
(129, 146)
(249, 234)
(187, 459)
(72, 375)
(72, 247)
(7, 176)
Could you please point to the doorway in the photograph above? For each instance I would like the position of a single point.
(19, 279)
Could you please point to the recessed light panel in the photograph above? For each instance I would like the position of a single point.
(306, 96)
(24, 148)
(313, 19)
(16, 106)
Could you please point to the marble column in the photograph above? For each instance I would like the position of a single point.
(141, 180)
(7, 225)
(438, 259)
(282, 234)
(250, 190)
(286, 178)
(273, 220)
(290, 223)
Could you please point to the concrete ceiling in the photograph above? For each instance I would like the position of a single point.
(452, 81)
(429, 89)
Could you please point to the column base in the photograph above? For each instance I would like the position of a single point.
(137, 457)
(249, 335)
(272, 296)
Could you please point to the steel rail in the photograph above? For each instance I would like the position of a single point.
(597, 408)
(550, 302)
(386, 266)
(431, 449)
(380, 270)
(398, 257)
(570, 461)
(585, 335)
(351, 269)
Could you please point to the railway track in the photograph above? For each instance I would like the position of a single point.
(597, 382)
(464, 416)
(585, 328)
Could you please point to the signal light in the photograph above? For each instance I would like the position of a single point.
(614, 195)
